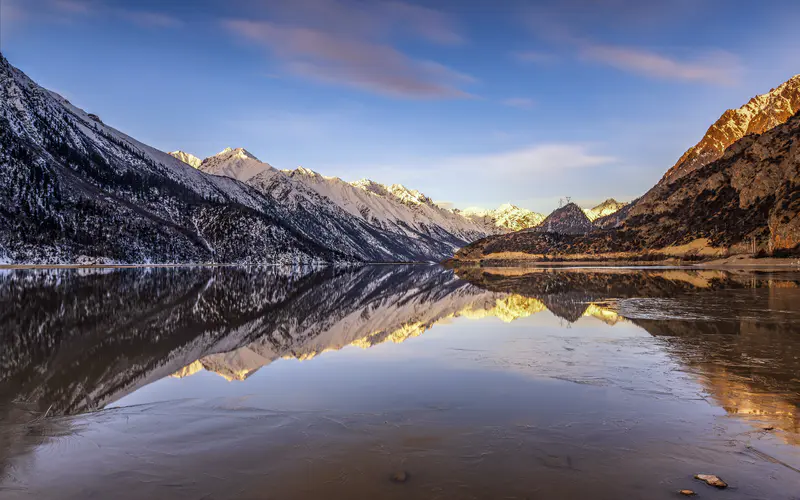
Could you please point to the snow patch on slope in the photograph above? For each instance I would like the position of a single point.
(187, 158)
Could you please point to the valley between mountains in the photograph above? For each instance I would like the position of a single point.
(76, 191)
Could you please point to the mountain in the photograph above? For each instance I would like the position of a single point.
(506, 217)
(74, 190)
(608, 207)
(569, 219)
(236, 163)
(745, 201)
(760, 114)
(434, 232)
(393, 208)
(614, 219)
(187, 158)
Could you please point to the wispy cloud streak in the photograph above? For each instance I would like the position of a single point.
(347, 43)
(717, 67)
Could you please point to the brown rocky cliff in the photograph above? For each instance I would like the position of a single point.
(760, 114)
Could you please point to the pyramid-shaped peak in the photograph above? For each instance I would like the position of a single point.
(569, 219)
(307, 172)
(236, 153)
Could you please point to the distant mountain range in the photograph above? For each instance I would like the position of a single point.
(736, 192)
(394, 208)
(74, 190)
(506, 216)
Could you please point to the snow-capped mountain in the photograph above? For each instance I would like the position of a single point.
(73, 189)
(329, 204)
(393, 208)
(236, 163)
(604, 209)
(506, 217)
(186, 158)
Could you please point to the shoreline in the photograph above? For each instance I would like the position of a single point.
(145, 266)
(741, 262)
(725, 263)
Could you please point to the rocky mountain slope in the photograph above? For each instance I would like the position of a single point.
(569, 219)
(76, 190)
(760, 114)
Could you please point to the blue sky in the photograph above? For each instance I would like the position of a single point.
(473, 102)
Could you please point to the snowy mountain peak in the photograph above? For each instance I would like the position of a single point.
(505, 217)
(237, 163)
(186, 158)
(607, 207)
(307, 172)
(371, 186)
(507, 207)
(409, 196)
(240, 153)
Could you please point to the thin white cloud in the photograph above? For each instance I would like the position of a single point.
(350, 43)
(577, 27)
(352, 61)
(716, 67)
(535, 159)
(519, 102)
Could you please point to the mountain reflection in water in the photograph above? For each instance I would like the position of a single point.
(81, 341)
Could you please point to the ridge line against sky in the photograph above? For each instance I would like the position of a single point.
(463, 100)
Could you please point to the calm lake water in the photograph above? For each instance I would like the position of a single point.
(398, 382)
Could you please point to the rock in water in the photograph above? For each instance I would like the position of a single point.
(400, 477)
(688, 493)
(712, 480)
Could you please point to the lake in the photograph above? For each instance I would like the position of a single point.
(399, 382)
